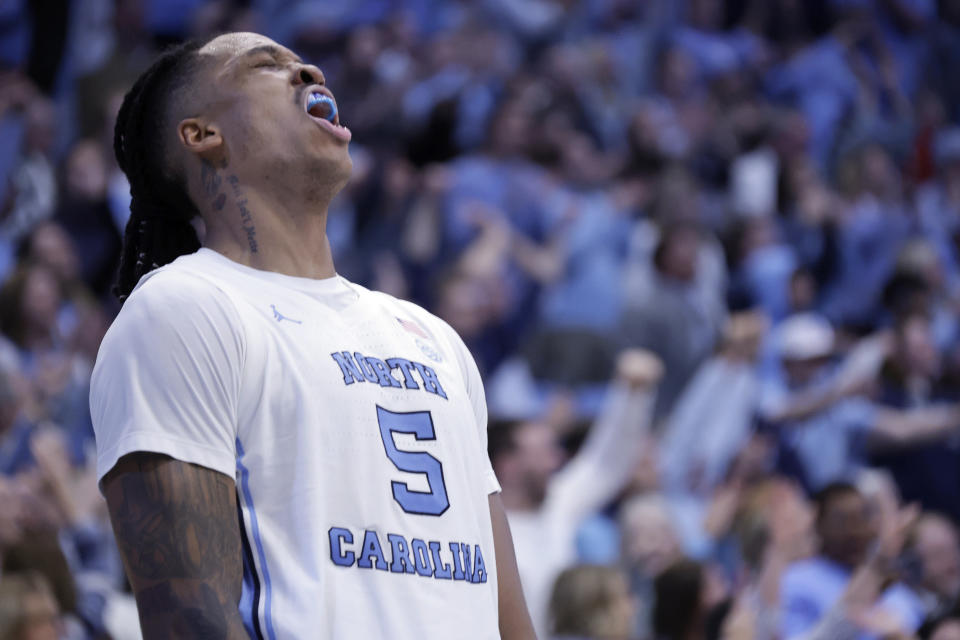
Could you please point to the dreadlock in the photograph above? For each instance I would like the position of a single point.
(159, 229)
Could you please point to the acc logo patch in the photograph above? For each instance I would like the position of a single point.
(429, 351)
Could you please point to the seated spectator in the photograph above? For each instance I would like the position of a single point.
(591, 602)
(810, 589)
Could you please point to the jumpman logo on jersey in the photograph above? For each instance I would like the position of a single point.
(279, 316)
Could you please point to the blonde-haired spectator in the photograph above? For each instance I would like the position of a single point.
(28, 608)
(594, 602)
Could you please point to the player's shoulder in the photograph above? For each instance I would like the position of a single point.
(407, 311)
(191, 278)
(178, 297)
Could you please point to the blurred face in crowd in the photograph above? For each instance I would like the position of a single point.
(51, 246)
(510, 130)
(788, 522)
(706, 14)
(41, 617)
(41, 125)
(937, 545)
(916, 350)
(755, 460)
(621, 609)
(803, 291)
(878, 173)
(649, 542)
(464, 304)
(537, 456)
(593, 601)
(678, 255)
(846, 529)
(363, 47)
(802, 371)
(677, 73)
(40, 302)
(86, 171)
(947, 630)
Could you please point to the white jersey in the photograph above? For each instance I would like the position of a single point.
(354, 425)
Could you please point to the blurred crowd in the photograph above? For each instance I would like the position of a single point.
(706, 254)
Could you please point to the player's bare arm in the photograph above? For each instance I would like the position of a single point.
(176, 525)
(515, 621)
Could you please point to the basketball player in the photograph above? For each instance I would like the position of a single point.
(284, 454)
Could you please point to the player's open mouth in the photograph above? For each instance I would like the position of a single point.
(323, 110)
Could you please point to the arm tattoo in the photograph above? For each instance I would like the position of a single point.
(176, 526)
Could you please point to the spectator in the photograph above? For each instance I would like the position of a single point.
(34, 179)
(675, 314)
(686, 594)
(820, 415)
(649, 545)
(944, 628)
(28, 610)
(591, 602)
(545, 508)
(934, 547)
(85, 215)
(810, 588)
(912, 377)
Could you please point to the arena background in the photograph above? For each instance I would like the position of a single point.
(763, 193)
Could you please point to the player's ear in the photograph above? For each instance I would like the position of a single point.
(199, 136)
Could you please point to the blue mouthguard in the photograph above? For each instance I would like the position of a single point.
(319, 98)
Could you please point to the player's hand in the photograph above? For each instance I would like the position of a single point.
(639, 368)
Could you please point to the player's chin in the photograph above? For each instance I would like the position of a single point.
(336, 164)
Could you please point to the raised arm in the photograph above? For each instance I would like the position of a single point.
(914, 426)
(177, 528)
(610, 453)
(515, 621)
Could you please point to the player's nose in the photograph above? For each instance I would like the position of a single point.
(308, 74)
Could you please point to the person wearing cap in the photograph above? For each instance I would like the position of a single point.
(820, 411)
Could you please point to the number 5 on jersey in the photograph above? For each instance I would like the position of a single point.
(419, 423)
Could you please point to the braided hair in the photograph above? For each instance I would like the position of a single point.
(159, 229)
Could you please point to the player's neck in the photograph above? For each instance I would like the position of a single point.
(271, 235)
